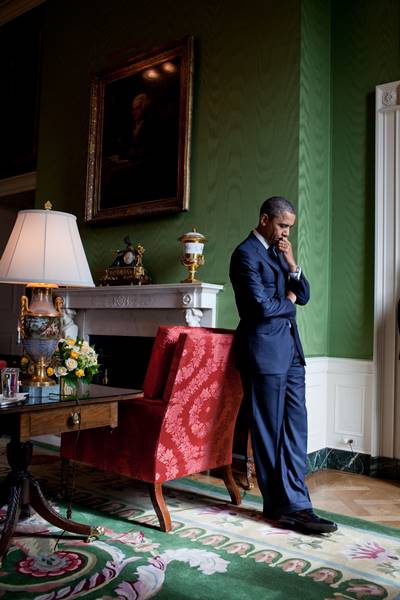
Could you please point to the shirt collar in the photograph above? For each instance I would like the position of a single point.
(261, 239)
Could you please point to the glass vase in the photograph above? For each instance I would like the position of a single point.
(71, 392)
(82, 389)
(67, 391)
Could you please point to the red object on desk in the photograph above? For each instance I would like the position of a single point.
(183, 424)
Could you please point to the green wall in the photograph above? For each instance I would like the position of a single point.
(365, 53)
(283, 104)
(314, 172)
(245, 125)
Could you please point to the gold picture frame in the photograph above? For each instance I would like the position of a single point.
(139, 136)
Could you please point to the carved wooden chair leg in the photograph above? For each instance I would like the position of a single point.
(231, 484)
(160, 507)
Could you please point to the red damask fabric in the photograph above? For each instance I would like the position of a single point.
(187, 429)
(204, 398)
(160, 360)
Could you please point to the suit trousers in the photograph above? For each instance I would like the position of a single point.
(279, 436)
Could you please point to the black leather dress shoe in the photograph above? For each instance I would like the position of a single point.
(269, 516)
(306, 521)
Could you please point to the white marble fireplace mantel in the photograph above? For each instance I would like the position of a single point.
(139, 310)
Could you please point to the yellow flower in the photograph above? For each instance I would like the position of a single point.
(79, 372)
(70, 342)
(74, 354)
(50, 371)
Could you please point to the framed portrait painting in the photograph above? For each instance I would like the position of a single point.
(139, 136)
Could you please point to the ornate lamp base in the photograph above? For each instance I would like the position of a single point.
(40, 325)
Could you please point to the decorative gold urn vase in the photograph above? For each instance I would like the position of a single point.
(192, 253)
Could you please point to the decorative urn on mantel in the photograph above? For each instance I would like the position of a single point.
(192, 253)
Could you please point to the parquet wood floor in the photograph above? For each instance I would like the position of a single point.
(369, 498)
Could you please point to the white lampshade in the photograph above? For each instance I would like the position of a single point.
(45, 247)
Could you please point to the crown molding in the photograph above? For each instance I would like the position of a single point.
(11, 9)
(20, 183)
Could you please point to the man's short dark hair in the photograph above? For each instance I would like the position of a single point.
(275, 206)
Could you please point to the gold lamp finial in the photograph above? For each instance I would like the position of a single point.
(48, 205)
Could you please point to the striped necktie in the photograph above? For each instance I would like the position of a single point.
(272, 251)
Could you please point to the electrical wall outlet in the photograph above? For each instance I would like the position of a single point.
(347, 440)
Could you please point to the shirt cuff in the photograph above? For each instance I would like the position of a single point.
(295, 274)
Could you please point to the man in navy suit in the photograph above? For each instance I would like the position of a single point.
(268, 284)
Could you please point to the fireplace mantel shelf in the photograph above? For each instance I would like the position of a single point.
(138, 310)
(164, 295)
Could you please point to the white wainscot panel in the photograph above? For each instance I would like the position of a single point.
(349, 404)
(349, 410)
(316, 395)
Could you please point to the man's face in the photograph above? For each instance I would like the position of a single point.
(277, 227)
(139, 105)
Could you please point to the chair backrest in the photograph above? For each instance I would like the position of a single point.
(160, 360)
(162, 354)
(203, 394)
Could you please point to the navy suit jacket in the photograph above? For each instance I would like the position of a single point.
(260, 282)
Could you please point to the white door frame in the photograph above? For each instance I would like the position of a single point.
(386, 408)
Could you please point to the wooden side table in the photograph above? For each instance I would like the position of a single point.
(53, 415)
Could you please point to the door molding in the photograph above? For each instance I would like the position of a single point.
(386, 409)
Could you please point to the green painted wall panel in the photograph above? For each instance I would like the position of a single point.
(365, 45)
(314, 172)
(245, 126)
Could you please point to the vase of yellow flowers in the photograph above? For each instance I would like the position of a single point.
(74, 363)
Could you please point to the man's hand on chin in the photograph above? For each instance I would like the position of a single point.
(283, 245)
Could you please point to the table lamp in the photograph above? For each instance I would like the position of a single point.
(44, 251)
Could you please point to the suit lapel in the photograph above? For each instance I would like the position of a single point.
(263, 253)
(276, 263)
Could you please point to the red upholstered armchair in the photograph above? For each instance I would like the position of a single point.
(182, 425)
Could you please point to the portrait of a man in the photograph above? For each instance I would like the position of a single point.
(144, 131)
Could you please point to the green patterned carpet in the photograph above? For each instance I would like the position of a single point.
(215, 550)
